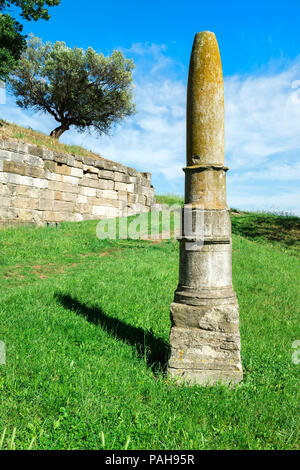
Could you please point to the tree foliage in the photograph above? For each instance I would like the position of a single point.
(78, 88)
(12, 42)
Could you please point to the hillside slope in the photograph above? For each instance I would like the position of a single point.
(10, 131)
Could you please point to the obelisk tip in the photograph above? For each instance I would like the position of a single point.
(205, 36)
(205, 33)
(205, 106)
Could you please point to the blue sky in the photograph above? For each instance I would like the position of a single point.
(260, 48)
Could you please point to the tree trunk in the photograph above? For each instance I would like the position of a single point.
(56, 133)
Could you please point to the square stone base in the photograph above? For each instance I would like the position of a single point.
(205, 342)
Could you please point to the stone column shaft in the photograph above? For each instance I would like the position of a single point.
(205, 340)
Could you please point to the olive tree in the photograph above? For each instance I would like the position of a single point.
(77, 87)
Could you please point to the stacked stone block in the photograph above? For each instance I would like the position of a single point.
(39, 186)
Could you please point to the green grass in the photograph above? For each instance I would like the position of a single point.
(86, 326)
(280, 230)
(170, 199)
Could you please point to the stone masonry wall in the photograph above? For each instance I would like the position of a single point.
(39, 186)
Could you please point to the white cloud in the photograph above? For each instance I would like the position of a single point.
(263, 139)
(270, 172)
(262, 130)
(12, 113)
(263, 115)
(288, 202)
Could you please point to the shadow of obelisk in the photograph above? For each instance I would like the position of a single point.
(205, 339)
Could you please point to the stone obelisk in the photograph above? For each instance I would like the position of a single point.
(205, 339)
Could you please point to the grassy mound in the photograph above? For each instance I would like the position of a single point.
(10, 131)
(281, 230)
(86, 326)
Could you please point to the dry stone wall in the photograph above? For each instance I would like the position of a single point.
(39, 186)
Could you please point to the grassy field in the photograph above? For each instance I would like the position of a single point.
(86, 326)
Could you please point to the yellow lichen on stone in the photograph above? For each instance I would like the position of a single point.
(205, 103)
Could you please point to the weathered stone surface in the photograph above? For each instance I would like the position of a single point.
(62, 169)
(70, 179)
(97, 184)
(132, 198)
(107, 175)
(38, 185)
(68, 197)
(13, 167)
(45, 204)
(220, 315)
(147, 176)
(62, 206)
(82, 199)
(25, 203)
(5, 201)
(206, 266)
(77, 172)
(129, 188)
(35, 172)
(205, 339)
(206, 377)
(30, 160)
(4, 154)
(206, 187)
(122, 196)
(26, 191)
(48, 155)
(35, 150)
(121, 177)
(105, 211)
(63, 159)
(4, 190)
(107, 194)
(205, 107)
(194, 338)
(63, 187)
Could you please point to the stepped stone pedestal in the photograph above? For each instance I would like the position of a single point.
(205, 339)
